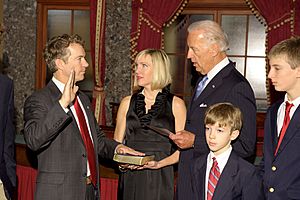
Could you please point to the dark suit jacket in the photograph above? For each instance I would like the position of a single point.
(281, 172)
(7, 135)
(239, 180)
(55, 136)
(227, 86)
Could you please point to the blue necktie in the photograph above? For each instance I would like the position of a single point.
(200, 87)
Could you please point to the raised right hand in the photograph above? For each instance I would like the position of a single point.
(69, 92)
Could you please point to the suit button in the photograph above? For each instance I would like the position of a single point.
(274, 168)
(271, 189)
(84, 174)
(83, 155)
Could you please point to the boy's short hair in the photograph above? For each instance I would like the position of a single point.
(225, 114)
(161, 76)
(289, 49)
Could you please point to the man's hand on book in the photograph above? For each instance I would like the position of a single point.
(122, 149)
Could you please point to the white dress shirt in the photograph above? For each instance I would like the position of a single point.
(281, 112)
(221, 159)
(61, 87)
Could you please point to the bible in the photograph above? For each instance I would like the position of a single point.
(133, 160)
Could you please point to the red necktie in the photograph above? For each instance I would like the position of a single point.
(87, 141)
(285, 125)
(213, 178)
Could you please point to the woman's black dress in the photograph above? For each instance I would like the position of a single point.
(149, 184)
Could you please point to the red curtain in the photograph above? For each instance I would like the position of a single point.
(282, 20)
(148, 19)
(27, 180)
(97, 35)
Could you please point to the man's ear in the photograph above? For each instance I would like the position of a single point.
(214, 49)
(59, 63)
(234, 134)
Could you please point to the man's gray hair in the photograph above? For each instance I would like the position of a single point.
(212, 32)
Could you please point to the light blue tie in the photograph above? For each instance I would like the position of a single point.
(200, 87)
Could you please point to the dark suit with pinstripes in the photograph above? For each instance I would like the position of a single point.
(55, 136)
(227, 86)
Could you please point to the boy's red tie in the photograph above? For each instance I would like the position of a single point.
(285, 125)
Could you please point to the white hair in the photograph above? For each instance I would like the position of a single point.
(212, 32)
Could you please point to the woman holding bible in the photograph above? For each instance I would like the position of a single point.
(152, 105)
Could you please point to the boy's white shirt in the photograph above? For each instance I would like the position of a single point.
(221, 159)
(281, 112)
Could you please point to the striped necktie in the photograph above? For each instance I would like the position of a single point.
(213, 179)
(200, 87)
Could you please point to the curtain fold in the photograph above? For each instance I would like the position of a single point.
(148, 21)
(149, 17)
(27, 181)
(97, 38)
(282, 21)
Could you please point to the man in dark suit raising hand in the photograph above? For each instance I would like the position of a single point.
(60, 126)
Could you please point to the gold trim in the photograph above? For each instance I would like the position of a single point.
(287, 18)
(97, 40)
(98, 92)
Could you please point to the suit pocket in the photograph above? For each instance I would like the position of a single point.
(50, 177)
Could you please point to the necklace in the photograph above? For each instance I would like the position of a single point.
(150, 100)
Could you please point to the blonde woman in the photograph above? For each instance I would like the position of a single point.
(153, 105)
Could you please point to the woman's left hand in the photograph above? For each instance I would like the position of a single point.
(151, 165)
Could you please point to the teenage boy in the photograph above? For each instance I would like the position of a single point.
(222, 174)
(281, 162)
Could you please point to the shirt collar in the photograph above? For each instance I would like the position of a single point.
(295, 102)
(214, 71)
(221, 159)
(59, 84)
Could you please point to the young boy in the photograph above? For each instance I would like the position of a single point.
(281, 162)
(222, 174)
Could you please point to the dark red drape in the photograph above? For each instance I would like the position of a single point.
(148, 19)
(27, 180)
(282, 19)
(97, 35)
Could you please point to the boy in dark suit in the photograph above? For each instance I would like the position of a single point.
(222, 174)
(281, 162)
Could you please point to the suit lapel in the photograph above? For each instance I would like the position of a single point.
(226, 180)
(273, 123)
(198, 178)
(56, 95)
(91, 123)
(292, 129)
(211, 87)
